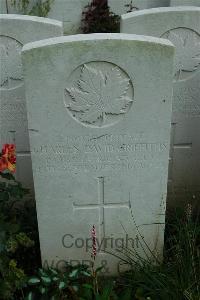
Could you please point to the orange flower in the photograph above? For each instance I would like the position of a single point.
(3, 164)
(8, 158)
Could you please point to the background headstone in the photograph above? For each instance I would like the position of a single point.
(67, 11)
(70, 11)
(3, 8)
(181, 25)
(119, 6)
(100, 141)
(15, 31)
(185, 2)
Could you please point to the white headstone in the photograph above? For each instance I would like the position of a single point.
(3, 7)
(120, 6)
(67, 11)
(15, 31)
(185, 3)
(100, 141)
(181, 25)
(70, 13)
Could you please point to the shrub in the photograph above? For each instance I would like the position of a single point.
(97, 18)
(41, 8)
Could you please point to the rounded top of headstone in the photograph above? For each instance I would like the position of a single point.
(156, 10)
(30, 18)
(96, 37)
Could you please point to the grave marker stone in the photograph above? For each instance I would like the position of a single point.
(3, 8)
(181, 25)
(67, 11)
(15, 31)
(100, 142)
(185, 3)
(120, 6)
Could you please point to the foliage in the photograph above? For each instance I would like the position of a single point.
(52, 284)
(41, 8)
(178, 276)
(75, 283)
(15, 241)
(97, 17)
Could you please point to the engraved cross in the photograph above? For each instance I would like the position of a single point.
(101, 206)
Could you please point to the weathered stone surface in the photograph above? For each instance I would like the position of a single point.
(15, 31)
(67, 11)
(181, 25)
(99, 142)
(70, 11)
(120, 6)
(185, 2)
(3, 8)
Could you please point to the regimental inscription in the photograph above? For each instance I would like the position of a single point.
(11, 64)
(98, 94)
(187, 58)
(109, 153)
(101, 206)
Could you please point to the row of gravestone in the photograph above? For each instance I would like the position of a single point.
(182, 27)
(183, 168)
(70, 11)
(99, 112)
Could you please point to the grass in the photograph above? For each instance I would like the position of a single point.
(178, 276)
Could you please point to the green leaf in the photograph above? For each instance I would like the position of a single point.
(75, 287)
(43, 290)
(74, 273)
(86, 273)
(55, 278)
(8, 176)
(33, 281)
(46, 280)
(53, 271)
(30, 296)
(87, 286)
(62, 285)
(42, 272)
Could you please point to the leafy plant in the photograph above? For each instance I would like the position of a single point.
(97, 17)
(178, 276)
(14, 238)
(41, 8)
(131, 7)
(75, 283)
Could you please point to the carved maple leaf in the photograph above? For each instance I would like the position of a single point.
(187, 56)
(98, 94)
